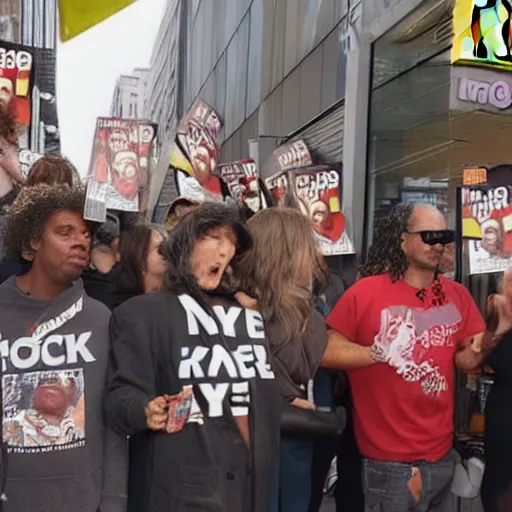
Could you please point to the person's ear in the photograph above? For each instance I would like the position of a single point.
(34, 245)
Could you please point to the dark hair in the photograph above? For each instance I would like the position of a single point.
(52, 169)
(386, 254)
(133, 252)
(192, 227)
(8, 130)
(30, 213)
(106, 233)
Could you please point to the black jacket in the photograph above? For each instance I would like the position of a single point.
(163, 342)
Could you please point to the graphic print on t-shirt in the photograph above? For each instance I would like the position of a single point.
(43, 411)
(220, 373)
(409, 336)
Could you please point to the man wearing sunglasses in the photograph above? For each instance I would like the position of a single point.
(403, 325)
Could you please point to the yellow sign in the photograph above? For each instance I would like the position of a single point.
(179, 161)
(474, 176)
(482, 33)
(77, 16)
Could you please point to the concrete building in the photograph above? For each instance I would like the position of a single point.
(129, 95)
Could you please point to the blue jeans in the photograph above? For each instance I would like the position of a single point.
(295, 474)
(386, 486)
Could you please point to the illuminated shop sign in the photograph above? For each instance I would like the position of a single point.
(481, 33)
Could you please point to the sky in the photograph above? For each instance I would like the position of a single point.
(88, 67)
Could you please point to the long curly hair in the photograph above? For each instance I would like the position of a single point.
(386, 254)
(30, 213)
(284, 257)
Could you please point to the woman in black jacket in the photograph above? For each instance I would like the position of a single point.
(193, 385)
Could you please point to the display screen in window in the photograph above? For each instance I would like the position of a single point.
(481, 33)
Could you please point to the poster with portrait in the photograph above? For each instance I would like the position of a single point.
(487, 223)
(197, 140)
(119, 168)
(27, 90)
(243, 183)
(317, 192)
(43, 410)
(16, 80)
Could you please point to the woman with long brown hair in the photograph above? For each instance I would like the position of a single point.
(285, 273)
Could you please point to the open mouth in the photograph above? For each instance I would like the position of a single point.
(214, 271)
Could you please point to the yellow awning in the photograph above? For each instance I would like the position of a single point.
(77, 16)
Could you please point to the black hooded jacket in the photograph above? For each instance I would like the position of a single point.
(165, 342)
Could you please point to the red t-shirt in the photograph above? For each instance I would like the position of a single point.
(404, 410)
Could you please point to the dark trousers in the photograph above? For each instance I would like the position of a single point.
(386, 486)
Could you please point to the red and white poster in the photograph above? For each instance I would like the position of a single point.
(487, 223)
(242, 181)
(197, 139)
(119, 165)
(278, 186)
(317, 192)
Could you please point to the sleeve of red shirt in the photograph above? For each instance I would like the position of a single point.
(472, 321)
(343, 317)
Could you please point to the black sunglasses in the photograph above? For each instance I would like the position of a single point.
(431, 237)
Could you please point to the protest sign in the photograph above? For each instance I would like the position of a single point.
(317, 192)
(119, 165)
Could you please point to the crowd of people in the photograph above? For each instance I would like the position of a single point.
(210, 366)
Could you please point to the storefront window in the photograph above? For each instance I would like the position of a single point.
(410, 139)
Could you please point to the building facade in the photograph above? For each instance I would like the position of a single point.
(162, 93)
(273, 71)
(39, 23)
(129, 95)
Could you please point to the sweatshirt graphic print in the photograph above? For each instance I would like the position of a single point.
(45, 410)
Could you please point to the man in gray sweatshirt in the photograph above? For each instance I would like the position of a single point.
(54, 349)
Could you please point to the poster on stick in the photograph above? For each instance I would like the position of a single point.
(487, 223)
(120, 164)
(317, 192)
(197, 139)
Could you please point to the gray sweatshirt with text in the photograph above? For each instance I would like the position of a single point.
(55, 360)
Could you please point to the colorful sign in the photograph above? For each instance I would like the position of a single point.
(475, 176)
(317, 192)
(482, 32)
(487, 222)
(16, 66)
(119, 165)
(27, 90)
(243, 184)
